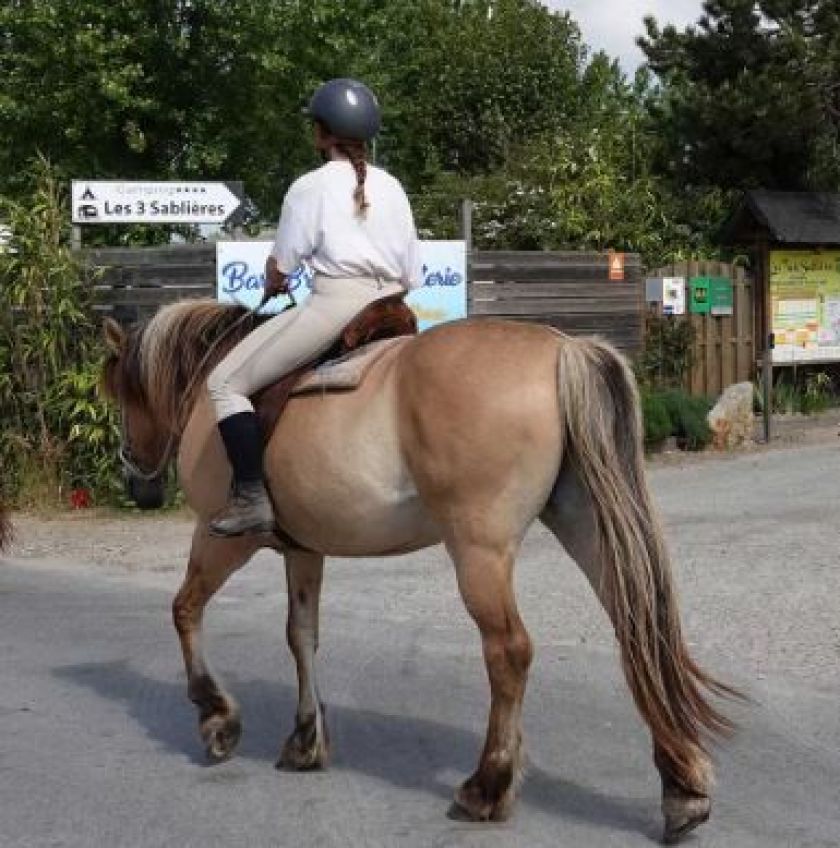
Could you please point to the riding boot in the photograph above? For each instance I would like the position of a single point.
(249, 508)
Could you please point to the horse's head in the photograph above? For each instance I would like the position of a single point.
(155, 372)
(146, 446)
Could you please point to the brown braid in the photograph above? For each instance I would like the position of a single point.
(356, 152)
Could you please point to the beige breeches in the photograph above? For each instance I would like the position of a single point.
(291, 339)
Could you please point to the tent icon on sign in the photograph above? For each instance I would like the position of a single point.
(88, 195)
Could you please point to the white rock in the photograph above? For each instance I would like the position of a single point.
(731, 418)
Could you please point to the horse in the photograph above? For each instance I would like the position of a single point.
(465, 434)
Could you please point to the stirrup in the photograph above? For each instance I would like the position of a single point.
(248, 511)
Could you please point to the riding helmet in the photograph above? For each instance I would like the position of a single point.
(347, 108)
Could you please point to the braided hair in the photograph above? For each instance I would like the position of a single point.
(356, 152)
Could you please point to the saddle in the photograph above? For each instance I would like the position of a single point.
(343, 365)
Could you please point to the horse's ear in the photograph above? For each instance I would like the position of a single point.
(114, 336)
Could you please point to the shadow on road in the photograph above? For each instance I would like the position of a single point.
(405, 751)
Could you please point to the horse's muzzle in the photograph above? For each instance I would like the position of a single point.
(147, 494)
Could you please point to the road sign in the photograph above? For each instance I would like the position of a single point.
(135, 202)
(616, 266)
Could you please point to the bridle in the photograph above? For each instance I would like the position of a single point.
(130, 462)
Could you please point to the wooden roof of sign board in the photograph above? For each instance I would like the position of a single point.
(785, 217)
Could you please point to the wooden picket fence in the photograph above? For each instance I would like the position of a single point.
(724, 348)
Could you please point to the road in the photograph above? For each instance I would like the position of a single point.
(98, 743)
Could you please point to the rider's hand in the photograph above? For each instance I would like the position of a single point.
(275, 280)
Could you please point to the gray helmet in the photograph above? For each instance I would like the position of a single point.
(347, 108)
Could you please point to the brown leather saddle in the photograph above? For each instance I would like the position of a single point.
(382, 319)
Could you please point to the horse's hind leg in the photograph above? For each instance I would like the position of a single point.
(307, 747)
(570, 516)
(212, 561)
(485, 578)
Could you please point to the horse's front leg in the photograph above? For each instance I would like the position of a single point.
(212, 561)
(308, 746)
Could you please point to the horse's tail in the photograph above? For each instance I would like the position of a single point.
(5, 527)
(604, 440)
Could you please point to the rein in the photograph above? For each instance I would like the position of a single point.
(129, 462)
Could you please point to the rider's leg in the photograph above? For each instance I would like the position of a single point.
(249, 508)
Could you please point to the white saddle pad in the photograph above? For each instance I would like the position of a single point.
(348, 371)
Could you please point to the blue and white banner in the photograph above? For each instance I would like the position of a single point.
(240, 278)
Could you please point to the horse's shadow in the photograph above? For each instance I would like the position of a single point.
(405, 751)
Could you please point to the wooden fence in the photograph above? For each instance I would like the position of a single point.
(134, 282)
(724, 348)
(570, 291)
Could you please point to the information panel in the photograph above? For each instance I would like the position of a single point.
(805, 296)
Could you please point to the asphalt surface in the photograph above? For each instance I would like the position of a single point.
(99, 745)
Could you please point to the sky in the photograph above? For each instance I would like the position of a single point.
(614, 25)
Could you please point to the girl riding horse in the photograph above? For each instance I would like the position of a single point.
(352, 224)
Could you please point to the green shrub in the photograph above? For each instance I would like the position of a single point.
(56, 434)
(817, 394)
(657, 421)
(675, 413)
(800, 391)
(689, 419)
(667, 355)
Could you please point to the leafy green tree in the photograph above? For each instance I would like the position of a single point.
(587, 185)
(497, 100)
(750, 95)
(149, 89)
(464, 83)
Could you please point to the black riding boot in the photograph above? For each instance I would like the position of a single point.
(249, 508)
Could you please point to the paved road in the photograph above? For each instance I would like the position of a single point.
(98, 745)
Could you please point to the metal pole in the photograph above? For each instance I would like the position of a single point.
(767, 333)
(466, 224)
(76, 237)
(467, 236)
(767, 379)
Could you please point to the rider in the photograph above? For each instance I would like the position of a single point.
(352, 224)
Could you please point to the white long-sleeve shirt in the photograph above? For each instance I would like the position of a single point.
(319, 225)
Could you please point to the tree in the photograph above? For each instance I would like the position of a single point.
(464, 83)
(150, 89)
(749, 96)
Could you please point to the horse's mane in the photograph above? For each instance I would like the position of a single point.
(167, 360)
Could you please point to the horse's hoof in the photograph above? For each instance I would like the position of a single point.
(472, 804)
(294, 758)
(221, 735)
(308, 746)
(682, 815)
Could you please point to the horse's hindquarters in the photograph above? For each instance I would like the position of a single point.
(480, 424)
